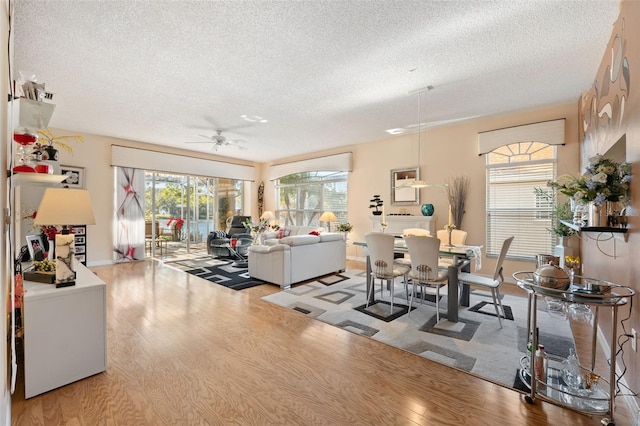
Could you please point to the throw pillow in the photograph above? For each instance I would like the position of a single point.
(314, 233)
(283, 232)
(219, 234)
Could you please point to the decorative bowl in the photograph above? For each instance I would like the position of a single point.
(551, 276)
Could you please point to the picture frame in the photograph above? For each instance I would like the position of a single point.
(78, 230)
(402, 193)
(35, 245)
(75, 176)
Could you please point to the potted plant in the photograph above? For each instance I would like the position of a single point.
(562, 211)
(376, 202)
(47, 144)
(345, 228)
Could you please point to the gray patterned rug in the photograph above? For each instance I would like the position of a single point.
(476, 344)
(218, 271)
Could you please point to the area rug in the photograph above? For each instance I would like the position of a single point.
(476, 344)
(219, 271)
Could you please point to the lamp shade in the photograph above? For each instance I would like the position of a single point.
(267, 215)
(65, 206)
(328, 217)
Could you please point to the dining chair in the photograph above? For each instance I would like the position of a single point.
(491, 282)
(458, 236)
(420, 232)
(424, 268)
(383, 266)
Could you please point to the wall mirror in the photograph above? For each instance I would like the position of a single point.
(402, 194)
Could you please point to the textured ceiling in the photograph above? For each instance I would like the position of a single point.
(323, 73)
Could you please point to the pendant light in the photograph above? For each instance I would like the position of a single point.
(419, 183)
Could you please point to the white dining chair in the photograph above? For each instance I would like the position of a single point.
(383, 266)
(490, 282)
(458, 236)
(419, 232)
(424, 269)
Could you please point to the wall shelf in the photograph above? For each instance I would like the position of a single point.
(35, 179)
(596, 229)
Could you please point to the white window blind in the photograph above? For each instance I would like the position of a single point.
(513, 208)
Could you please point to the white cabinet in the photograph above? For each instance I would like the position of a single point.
(65, 332)
(397, 223)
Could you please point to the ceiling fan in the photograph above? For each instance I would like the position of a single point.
(218, 140)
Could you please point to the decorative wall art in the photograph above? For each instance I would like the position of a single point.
(75, 176)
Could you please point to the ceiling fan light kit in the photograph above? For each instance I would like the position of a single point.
(219, 140)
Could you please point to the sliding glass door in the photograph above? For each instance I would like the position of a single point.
(181, 211)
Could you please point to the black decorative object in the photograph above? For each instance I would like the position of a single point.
(376, 202)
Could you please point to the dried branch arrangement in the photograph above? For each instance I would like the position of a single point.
(458, 188)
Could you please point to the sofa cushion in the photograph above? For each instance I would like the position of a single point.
(300, 240)
(331, 236)
(271, 235)
(269, 249)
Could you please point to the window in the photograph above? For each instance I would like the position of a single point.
(513, 207)
(302, 197)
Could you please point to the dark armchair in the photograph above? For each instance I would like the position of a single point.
(220, 242)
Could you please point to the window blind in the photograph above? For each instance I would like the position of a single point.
(513, 208)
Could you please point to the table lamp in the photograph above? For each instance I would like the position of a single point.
(65, 206)
(268, 216)
(328, 217)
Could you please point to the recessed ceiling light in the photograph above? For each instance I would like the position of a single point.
(254, 118)
(396, 131)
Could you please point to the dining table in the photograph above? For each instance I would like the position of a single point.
(461, 257)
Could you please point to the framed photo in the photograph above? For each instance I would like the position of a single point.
(75, 176)
(79, 249)
(81, 258)
(35, 246)
(78, 230)
(402, 194)
(80, 240)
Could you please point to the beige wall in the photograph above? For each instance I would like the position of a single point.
(446, 152)
(615, 259)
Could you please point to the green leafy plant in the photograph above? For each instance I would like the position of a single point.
(562, 211)
(345, 227)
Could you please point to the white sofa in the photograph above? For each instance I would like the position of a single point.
(297, 257)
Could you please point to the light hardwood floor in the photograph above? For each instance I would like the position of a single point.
(183, 351)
